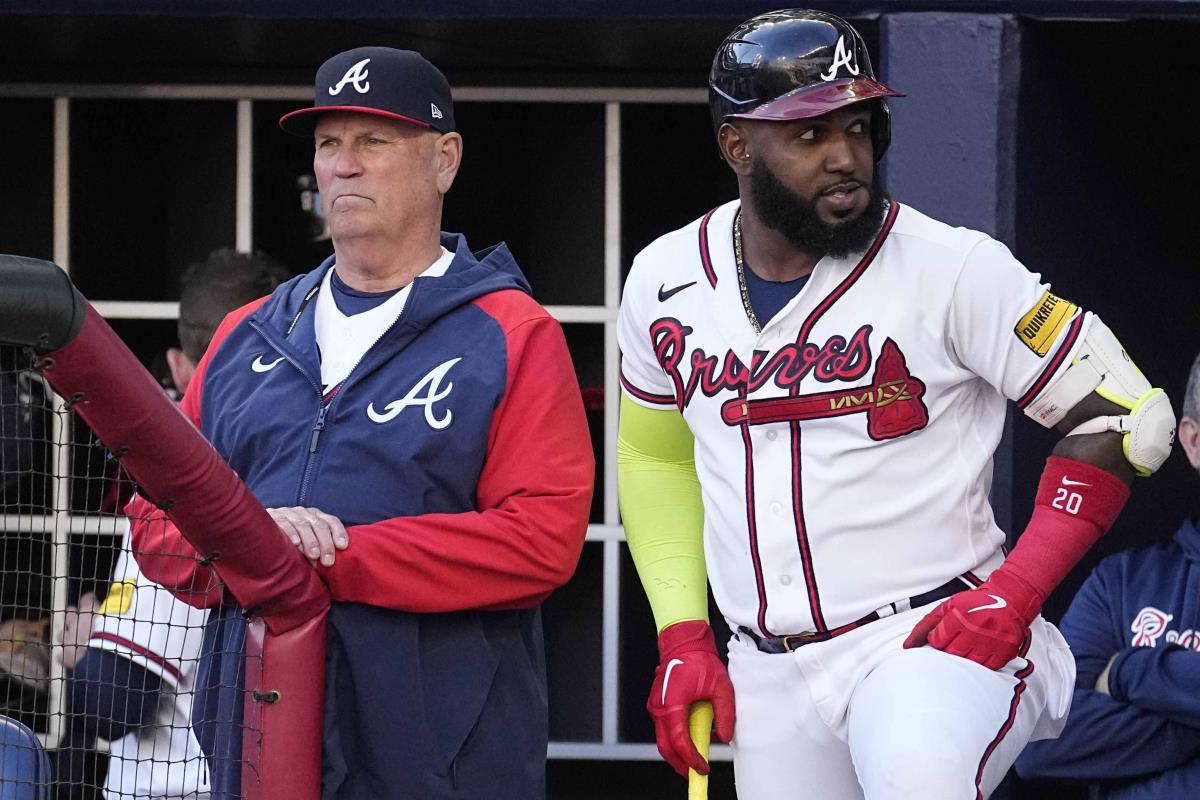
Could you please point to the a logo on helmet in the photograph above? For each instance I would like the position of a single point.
(357, 75)
(841, 58)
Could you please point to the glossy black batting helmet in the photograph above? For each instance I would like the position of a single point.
(796, 64)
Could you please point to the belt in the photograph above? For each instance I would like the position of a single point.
(786, 644)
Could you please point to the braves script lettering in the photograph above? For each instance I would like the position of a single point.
(1150, 625)
(838, 359)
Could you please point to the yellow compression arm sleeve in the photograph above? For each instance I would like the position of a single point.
(662, 512)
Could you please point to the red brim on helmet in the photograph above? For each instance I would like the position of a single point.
(814, 101)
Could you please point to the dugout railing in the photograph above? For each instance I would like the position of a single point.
(51, 336)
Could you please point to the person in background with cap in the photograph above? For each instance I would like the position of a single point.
(410, 417)
(815, 381)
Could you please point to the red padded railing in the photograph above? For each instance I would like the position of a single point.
(180, 472)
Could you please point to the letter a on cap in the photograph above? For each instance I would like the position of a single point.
(356, 75)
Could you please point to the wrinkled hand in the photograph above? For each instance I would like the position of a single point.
(689, 671)
(76, 630)
(988, 625)
(316, 534)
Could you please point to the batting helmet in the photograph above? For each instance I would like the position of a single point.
(796, 64)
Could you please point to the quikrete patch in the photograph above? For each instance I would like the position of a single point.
(1038, 329)
(120, 598)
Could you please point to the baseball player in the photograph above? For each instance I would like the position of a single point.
(134, 682)
(815, 380)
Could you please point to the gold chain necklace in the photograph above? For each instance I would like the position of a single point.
(741, 272)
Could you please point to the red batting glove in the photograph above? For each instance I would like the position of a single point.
(689, 671)
(1076, 503)
(988, 625)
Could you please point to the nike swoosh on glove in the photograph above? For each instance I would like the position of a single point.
(689, 670)
(988, 625)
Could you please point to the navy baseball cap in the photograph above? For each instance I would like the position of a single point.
(397, 84)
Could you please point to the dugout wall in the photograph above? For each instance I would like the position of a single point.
(146, 139)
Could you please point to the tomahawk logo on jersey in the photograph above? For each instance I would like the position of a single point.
(844, 452)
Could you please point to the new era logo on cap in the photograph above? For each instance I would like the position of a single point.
(397, 84)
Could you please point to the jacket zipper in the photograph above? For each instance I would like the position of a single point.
(319, 426)
(320, 423)
(313, 440)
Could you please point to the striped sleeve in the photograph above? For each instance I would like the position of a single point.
(642, 378)
(144, 622)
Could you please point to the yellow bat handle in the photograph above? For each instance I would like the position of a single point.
(700, 721)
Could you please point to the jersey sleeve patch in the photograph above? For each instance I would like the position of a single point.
(119, 599)
(1040, 326)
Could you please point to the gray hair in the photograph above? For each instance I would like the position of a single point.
(1191, 398)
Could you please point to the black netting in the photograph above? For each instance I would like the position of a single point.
(97, 662)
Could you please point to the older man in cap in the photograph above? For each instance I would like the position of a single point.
(411, 419)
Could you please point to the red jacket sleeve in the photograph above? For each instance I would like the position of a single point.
(162, 553)
(534, 497)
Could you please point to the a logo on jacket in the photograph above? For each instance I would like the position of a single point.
(258, 365)
(427, 392)
(1150, 625)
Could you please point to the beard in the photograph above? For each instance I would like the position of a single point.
(784, 211)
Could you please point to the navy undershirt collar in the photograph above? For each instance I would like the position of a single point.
(351, 301)
(767, 298)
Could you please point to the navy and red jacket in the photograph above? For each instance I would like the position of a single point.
(1142, 741)
(458, 456)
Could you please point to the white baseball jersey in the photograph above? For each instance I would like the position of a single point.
(142, 621)
(845, 453)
